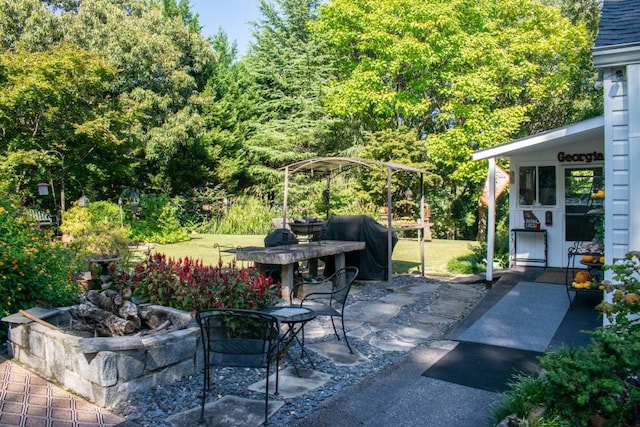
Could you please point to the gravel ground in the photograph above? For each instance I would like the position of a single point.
(153, 408)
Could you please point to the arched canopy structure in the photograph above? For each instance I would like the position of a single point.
(329, 166)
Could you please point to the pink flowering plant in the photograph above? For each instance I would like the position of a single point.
(188, 284)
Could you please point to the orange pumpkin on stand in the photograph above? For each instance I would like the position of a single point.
(587, 258)
(582, 276)
(583, 280)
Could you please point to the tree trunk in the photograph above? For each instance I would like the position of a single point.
(482, 223)
(152, 318)
(129, 311)
(103, 301)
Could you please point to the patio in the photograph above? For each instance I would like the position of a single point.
(399, 332)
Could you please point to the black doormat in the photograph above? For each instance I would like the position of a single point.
(483, 366)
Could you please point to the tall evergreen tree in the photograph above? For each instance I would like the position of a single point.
(291, 72)
(230, 101)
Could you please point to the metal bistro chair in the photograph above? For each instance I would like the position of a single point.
(329, 302)
(238, 338)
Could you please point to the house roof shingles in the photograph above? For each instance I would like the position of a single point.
(619, 23)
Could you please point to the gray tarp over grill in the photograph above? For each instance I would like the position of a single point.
(279, 237)
(372, 261)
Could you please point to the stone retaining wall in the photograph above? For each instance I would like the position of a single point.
(106, 371)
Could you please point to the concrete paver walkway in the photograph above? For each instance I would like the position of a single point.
(28, 400)
(400, 395)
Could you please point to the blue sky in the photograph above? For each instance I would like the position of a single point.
(232, 15)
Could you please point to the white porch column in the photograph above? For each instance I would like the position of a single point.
(491, 219)
(389, 228)
(285, 200)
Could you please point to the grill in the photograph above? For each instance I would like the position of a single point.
(310, 228)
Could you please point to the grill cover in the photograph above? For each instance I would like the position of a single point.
(372, 261)
(279, 237)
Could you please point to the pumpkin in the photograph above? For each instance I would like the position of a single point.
(601, 260)
(583, 276)
(587, 258)
(631, 298)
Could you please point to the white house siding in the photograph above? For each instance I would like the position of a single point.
(622, 145)
(633, 79)
(617, 183)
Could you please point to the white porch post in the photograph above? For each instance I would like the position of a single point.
(389, 228)
(422, 231)
(491, 219)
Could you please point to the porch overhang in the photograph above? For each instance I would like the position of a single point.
(565, 135)
(616, 56)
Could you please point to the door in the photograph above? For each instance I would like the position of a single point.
(579, 185)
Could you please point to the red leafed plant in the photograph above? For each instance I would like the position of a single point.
(188, 284)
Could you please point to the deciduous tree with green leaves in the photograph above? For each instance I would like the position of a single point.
(58, 99)
(462, 74)
(160, 63)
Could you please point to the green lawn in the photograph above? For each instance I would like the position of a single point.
(406, 255)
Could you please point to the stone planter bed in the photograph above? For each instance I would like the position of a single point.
(104, 370)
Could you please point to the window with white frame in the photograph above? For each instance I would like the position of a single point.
(537, 184)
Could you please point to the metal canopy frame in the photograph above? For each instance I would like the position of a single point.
(327, 166)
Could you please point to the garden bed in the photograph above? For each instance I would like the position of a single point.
(104, 370)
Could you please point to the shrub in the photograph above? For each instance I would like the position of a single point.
(625, 307)
(594, 380)
(33, 266)
(475, 261)
(246, 215)
(187, 284)
(526, 394)
(157, 220)
(463, 264)
(95, 230)
(200, 208)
